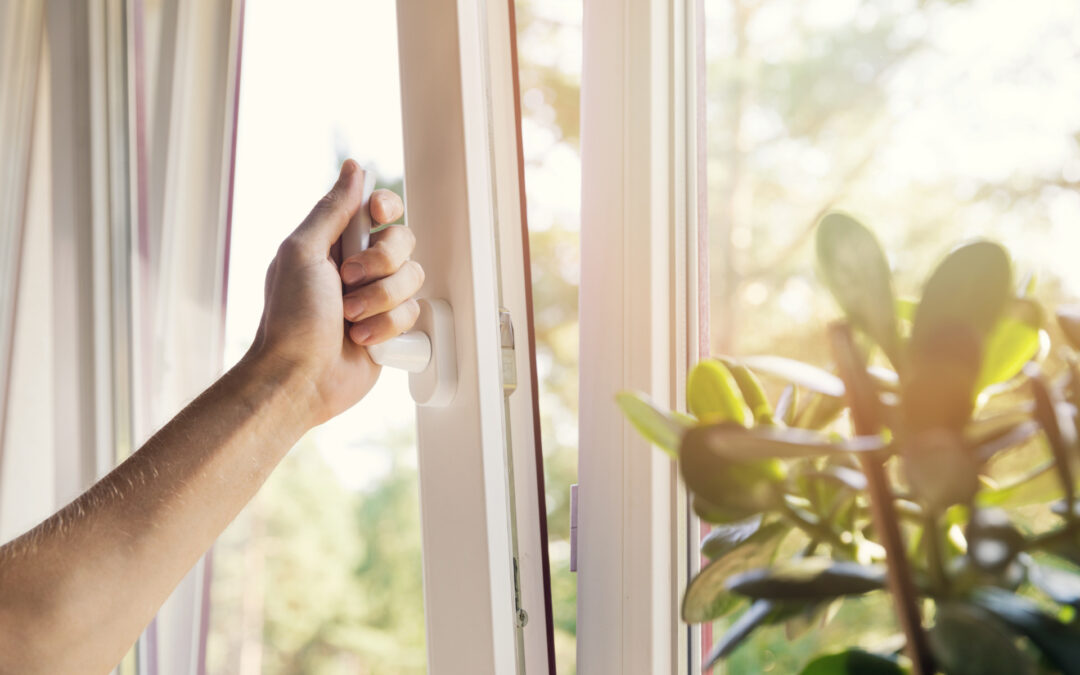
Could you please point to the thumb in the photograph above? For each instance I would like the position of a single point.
(331, 214)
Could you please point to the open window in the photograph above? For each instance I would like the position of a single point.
(143, 147)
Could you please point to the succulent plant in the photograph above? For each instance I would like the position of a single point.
(879, 468)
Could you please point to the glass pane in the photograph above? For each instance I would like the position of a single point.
(322, 572)
(933, 121)
(549, 50)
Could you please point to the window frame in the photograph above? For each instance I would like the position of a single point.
(640, 329)
(477, 457)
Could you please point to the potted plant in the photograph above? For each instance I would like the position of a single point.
(878, 470)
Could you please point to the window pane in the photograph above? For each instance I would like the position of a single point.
(933, 121)
(321, 573)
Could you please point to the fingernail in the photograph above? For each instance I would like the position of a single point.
(386, 205)
(347, 168)
(352, 272)
(353, 308)
(359, 334)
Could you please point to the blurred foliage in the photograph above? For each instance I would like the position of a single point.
(902, 478)
(315, 578)
(897, 110)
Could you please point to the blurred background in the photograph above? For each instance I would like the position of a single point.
(933, 121)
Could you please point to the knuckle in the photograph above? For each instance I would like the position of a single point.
(331, 206)
(293, 249)
(381, 294)
(380, 257)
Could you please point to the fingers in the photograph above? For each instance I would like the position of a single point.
(391, 248)
(331, 214)
(382, 327)
(385, 294)
(386, 207)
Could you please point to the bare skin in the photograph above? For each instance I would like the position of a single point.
(76, 591)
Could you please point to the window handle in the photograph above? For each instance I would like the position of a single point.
(427, 352)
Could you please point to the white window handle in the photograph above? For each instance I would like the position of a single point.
(428, 351)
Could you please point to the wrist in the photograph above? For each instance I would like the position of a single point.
(281, 391)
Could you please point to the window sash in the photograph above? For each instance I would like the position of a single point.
(640, 314)
(462, 198)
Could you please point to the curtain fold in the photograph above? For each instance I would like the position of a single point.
(21, 29)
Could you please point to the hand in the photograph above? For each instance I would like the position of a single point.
(303, 325)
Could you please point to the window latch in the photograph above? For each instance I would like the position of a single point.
(509, 355)
(428, 351)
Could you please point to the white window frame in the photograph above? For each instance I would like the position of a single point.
(463, 200)
(639, 318)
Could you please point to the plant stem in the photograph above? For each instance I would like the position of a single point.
(935, 560)
(866, 417)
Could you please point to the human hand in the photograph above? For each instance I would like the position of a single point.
(304, 326)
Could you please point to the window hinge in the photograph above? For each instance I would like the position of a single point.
(509, 357)
(573, 526)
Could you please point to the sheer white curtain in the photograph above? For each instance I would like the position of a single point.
(21, 29)
(114, 227)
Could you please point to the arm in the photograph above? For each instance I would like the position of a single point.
(76, 591)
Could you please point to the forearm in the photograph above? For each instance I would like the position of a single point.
(76, 591)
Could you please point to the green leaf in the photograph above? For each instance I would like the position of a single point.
(1015, 438)
(750, 620)
(971, 287)
(939, 468)
(852, 662)
(1059, 642)
(723, 539)
(852, 479)
(967, 640)
(798, 373)
(939, 390)
(712, 394)
(736, 443)
(706, 598)
(808, 579)
(721, 515)
(1037, 486)
(857, 273)
(986, 429)
(655, 425)
(733, 488)
(787, 405)
(962, 301)
(820, 411)
(1014, 341)
(813, 615)
(752, 392)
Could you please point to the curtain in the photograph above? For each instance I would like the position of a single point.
(117, 137)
